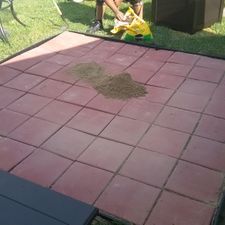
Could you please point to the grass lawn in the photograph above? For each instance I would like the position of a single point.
(43, 21)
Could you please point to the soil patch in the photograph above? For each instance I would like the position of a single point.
(120, 86)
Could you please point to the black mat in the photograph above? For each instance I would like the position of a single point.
(25, 203)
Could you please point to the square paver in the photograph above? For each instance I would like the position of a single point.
(174, 209)
(188, 101)
(166, 80)
(78, 95)
(142, 110)
(142, 63)
(105, 104)
(7, 74)
(50, 88)
(193, 181)
(65, 75)
(121, 59)
(216, 107)
(58, 112)
(8, 95)
(132, 50)
(42, 167)
(10, 120)
(211, 63)
(211, 127)
(24, 82)
(157, 54)
(164, 140)
(105, 154)
(143, 165)
(206, 152)
(125, 130)
(44, 69)
(12, 153)
(60, 59)
(34, 131)
(176, 69)
(90, 121)
(68, 143)
(184, 58)
(140, 75)
(158, 94)
(29, 104)
(197, 87)
(178, 119)
(206, 74)
(83, 182)
(123, 194)
(219, 93)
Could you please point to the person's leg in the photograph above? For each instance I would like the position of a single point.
(138, 8)
(99, 14)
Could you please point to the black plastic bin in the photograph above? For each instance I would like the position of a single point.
(187, 15)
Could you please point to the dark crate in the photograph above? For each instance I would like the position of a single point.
(187, 15)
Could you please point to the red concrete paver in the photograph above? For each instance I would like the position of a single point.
(42, 167)
(175, 209)
(211, 63)
(65, 75)
(60, 59)
(105, 154)
(216, 107)
(24, 82)
(125, 130)
(178, 119)
(196, 182)
(143, 165)
(44, 69)
(34, 131)
(223, 81)
(142, 63)
(176, 69)
(141, 109)
(157, 55)
(196, 87)
(121, 59)
(68, 143)
(206, 74)
(211, 127)
(83, 182)
(90, 121)
(7, 74)
(29, 104)
(165, 80)
(184, 58)
(50, 88)
(75, 52)
(110, 46)
(12, 153)
(163, 140)
(128, 199)
(132, 50)
(105, 104)
(10, 120)
(157, 94)
(189, 101)
(112, 69)
(140, 75)
(205, 152)
(8, 95)
(78, 95)
(58, 112)
(219, 93)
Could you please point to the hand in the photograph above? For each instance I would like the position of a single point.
(120, 16)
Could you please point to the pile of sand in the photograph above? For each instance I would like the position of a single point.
(119, 86)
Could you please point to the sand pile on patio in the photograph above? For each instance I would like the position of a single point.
(119, 86)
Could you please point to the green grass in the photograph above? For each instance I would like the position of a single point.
(43, 21)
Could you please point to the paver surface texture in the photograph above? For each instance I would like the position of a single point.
(154, 160)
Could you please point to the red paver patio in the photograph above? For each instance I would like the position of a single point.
(155, 160)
